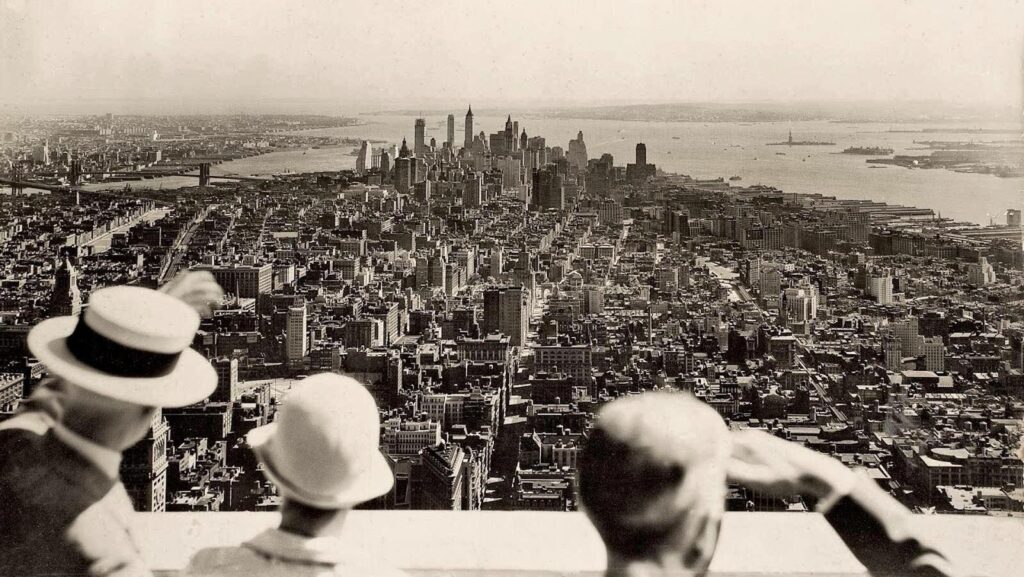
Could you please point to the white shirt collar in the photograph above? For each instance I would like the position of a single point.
(106, 459)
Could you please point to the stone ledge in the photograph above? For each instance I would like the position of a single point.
(498, 544)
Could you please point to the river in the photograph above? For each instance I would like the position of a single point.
(294, 160)
(711, 150)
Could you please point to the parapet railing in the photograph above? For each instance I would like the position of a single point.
(540, 544)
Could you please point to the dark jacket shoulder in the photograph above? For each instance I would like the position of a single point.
(44, 487)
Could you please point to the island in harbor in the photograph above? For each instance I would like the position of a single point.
(791, 142)
(968, 161)
(868, 150)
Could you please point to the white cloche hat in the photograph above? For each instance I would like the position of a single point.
(130, 344)
(324, 448)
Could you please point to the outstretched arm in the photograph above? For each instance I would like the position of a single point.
(873, 525)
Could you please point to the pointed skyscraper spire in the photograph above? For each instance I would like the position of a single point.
(468, 141)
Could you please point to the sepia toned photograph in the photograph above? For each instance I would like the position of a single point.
(646, 288)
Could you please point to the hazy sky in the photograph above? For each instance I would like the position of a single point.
(187, 55)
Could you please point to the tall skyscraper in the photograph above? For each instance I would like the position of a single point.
(468, 143)
(934, 352)
(640, 170)
(361, 161)
(578, 153)
(506, 310)
(431, 271)
(881, 287)
(420, 143)
(144, 468)
(548, 189)
(509, 136)
(404, 169)
(893, 353)
(296, 337)
(66, 300)
(908, 333)
(451, 131)
(473, 190)
(227, 380)
(497, 261)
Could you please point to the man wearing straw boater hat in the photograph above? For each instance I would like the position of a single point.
(323, 455)
(63, 509)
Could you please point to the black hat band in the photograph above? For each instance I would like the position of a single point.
(113, 358)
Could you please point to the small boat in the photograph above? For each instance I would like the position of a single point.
(735, 178)
(675, 138)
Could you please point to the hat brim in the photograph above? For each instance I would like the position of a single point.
(376, 481)
(191, 380)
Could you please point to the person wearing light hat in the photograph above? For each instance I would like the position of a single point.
(63, 509)
(323, 455)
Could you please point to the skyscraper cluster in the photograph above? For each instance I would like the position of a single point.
(544, 177)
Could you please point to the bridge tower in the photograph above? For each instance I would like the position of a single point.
(75, 172)
(17, 175)
(204, 174)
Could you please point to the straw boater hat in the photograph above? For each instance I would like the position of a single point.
(130, 344)
(323, 450)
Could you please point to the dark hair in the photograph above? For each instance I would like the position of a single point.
(302, 519)
(617, 483)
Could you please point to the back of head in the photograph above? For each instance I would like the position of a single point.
(653, 470)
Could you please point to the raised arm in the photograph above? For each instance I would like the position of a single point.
(197, 288)
(873, 525)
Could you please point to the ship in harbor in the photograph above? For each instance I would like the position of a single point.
(792, 142)
(868, 150)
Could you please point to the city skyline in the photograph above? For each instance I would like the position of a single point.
(312, 57)
(649, 266)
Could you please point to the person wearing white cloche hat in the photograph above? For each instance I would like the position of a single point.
(323, 455)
